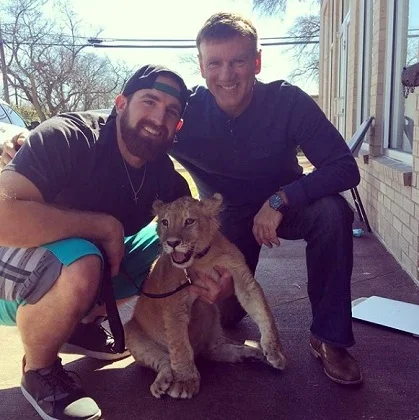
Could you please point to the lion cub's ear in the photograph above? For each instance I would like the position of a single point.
(212, 205)
(157, 206)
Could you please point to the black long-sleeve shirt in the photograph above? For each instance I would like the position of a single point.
(250, 157)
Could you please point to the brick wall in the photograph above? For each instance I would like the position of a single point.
(389, 189)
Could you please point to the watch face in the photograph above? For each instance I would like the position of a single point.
(275, 201)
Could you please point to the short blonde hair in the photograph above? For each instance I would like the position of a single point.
(223, 25)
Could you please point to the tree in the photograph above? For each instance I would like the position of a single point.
(47, 62)
(270, 7)
(191, 59)
(274, 7)
(305, 28)
(306, 55)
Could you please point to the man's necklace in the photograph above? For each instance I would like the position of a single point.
(135, 192)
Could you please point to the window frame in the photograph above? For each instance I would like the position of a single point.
(8, 111)
(14, 117)
(5, 119)
(364, 60)
(393, 73)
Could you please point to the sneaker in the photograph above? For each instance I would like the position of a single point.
(94, 341)
(55, 394)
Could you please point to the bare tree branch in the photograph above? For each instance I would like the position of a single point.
(48, 64)
(191, 59)
(305, 28)
(270, 7)
(307, 56)
(275, 7)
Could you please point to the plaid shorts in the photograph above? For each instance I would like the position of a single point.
(21, 269)
(26, 274)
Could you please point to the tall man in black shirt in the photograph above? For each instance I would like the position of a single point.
(79, 182)
(245, 147)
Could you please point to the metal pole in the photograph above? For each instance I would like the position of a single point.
(3, 68)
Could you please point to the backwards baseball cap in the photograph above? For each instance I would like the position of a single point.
(146, 76)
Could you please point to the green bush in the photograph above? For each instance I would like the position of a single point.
(27, 112)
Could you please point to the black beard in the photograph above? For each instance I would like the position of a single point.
(140, 146)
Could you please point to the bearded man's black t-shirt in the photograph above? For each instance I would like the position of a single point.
(74, 160)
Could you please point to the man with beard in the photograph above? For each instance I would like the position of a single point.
(80, 184)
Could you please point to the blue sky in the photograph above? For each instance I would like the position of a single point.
(182, 19)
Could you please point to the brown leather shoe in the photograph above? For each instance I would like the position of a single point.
(338, 364)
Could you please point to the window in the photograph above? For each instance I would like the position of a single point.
(345, 9)
(402, 112)
(3, 116)
(13, 116)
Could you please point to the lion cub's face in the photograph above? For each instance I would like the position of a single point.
(186, 227)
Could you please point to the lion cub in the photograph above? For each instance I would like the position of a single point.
(167, 334)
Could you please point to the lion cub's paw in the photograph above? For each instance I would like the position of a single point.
(254, 350)
(185, 387)
(162, 383)
(273, 354)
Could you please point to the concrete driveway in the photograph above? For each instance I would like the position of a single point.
(389, 359)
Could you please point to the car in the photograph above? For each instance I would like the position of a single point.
(11, 123)
(103, 111)
(9, 116)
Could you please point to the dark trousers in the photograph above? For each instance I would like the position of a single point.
(326, 226)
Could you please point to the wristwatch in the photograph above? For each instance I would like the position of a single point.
(277, 203)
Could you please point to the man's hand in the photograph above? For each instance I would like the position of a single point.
(12, 146)
(214, 290)
(265, 224)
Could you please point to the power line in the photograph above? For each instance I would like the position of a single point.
(174, 46)
(152, 46)
(97, 40)
(191, 40)
(48, 44)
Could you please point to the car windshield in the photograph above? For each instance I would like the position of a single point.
(7, 115)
